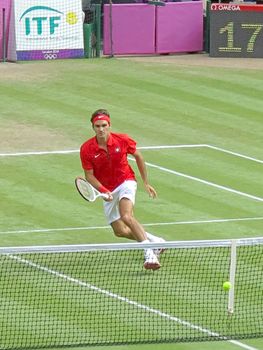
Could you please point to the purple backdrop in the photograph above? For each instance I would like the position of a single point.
(179, 27)
(147, 29)
(133, 29)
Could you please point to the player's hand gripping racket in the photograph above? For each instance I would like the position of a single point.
(87, 191)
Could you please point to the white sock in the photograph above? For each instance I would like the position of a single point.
(152, 238)
(146, 250)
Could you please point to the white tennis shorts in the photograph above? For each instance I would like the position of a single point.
(126, 190)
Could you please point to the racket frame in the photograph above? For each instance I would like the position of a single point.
(97, 194)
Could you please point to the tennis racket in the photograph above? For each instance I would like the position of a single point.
(87, 191)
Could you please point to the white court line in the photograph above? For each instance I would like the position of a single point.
(162, 168)
(37, 153)
(172, 146)
(34, 153)
(129, 301)
(204, 182)
(30, 153)
(88, 228)
(235, 153)
(193, 222)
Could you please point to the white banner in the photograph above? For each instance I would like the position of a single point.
(48, 25)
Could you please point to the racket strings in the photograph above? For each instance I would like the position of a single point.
(87, 190)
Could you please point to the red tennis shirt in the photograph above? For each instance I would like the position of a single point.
(110, 168)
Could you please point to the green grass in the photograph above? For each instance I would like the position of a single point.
(47, 105)
(126, 303)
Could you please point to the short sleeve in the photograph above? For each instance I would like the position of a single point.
(131, 149)
(85, 159)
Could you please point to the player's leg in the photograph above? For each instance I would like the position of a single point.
(156, 239)
(127, 226)
(121, 230)
(126, 212)
(135, 229)
(150, 256)
(119, 213)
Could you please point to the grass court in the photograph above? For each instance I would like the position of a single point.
(199, 128)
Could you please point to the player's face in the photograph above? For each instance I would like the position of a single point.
(102, 129)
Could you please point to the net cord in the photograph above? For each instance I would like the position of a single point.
(130, 246)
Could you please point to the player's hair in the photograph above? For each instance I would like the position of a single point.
(99, 112)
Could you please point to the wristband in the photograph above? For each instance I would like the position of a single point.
(103, 189)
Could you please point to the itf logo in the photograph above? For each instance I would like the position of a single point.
(44, 20)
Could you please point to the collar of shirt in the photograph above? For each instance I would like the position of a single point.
(109, 142)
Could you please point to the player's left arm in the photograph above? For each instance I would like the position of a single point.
(143, 172)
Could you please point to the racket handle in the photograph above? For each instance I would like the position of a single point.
(105, 195)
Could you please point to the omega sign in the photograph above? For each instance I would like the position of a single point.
(236, 30)
(225, 7)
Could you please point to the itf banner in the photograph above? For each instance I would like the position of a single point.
(47, 29)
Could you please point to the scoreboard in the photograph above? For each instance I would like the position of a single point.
(236, 30)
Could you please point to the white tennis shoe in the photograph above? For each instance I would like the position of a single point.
(159, 251)
(151, 261)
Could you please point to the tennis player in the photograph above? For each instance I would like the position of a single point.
(105, 164)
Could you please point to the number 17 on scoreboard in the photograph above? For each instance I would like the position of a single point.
(255, 30)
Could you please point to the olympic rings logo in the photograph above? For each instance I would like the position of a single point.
(50, 56)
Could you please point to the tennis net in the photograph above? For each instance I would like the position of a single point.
(100, 294)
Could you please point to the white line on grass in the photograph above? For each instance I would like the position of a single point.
(129, 301)
(88, 228)
(30, 153)
(235, 154)
(37, 153)
(152, 165)
(204, 182)
(159, 167)
(34, 153)
(172, 146)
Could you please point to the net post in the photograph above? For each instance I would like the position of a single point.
(232, 274)
(4, 36)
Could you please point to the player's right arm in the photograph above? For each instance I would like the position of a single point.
(95, 183)
(92, 179)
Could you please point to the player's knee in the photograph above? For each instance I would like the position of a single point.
(118, 233)
(127, 219)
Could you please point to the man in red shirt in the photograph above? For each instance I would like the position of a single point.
(104, 160)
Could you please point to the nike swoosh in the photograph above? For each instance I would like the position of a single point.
(97, 155)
